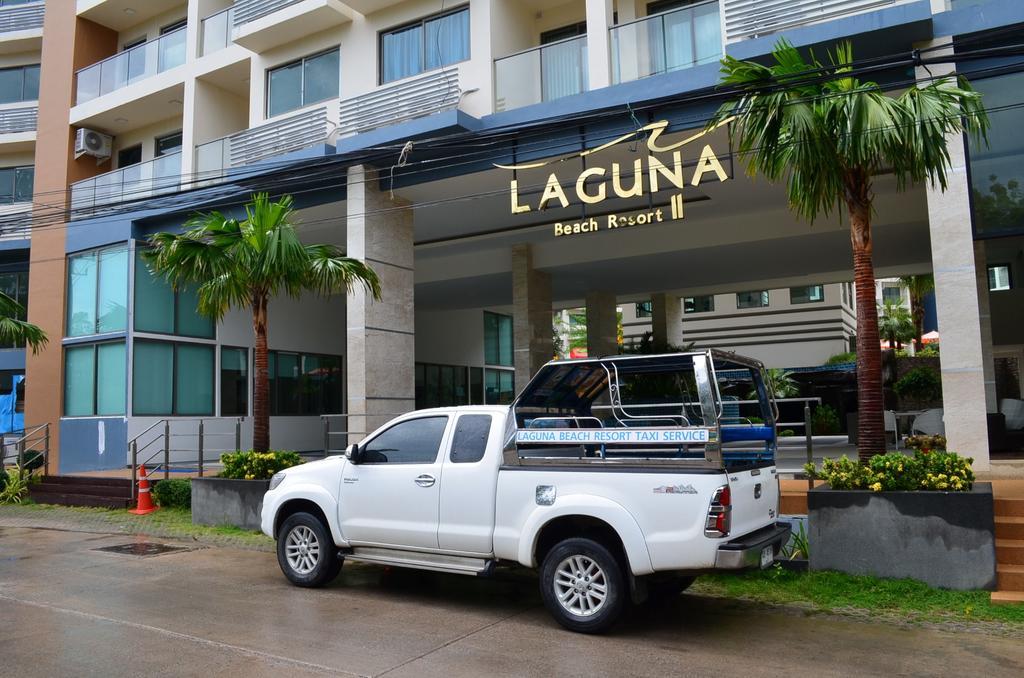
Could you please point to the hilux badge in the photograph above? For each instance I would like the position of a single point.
(675, 489)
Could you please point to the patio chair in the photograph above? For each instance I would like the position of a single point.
(892, 426)
(929, 423)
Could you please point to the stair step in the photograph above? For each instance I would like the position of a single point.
(98, 490)
(87, 480)
(1007, 597)
(1010, 551)
(72, 499)
(1011, 577)
(1009, 507)
(1009, 528)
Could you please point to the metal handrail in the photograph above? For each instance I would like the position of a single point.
(40, 433)
(165, 449)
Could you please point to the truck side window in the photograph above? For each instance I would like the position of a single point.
(470, 440)
(415, 441)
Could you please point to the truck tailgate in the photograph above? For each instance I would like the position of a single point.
(755, 499)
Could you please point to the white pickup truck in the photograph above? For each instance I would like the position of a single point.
(618, 478)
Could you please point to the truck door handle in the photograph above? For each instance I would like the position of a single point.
(425, 480)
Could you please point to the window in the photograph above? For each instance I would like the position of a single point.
(95, 381)
(234, 382)
(19, 84)
(16, 184)
(162, 310)
(170, 143)
(704, 303)
(999, 278)
(497, 339)
(172, 379)
(15, 285)
(499, 387)
(415, 441)
(430, 43)
(97, 292)
(644, 309)
(470, 440)
(445, 385)
(756, 299)
(996, 167)
(806, 295)
(891, 293)
(304, 385)
(563, 33)
(132, 155)
(304, 82)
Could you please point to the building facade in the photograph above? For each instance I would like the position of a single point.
(492, 160)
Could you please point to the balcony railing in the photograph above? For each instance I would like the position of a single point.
(752, 18)
(143, 180)
(666, 42)
(132, 65)
(551, 71)
(21, 17)
(216, 31)
(406, 99)
(14, 120)
(250, 10)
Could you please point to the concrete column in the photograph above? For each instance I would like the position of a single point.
(380, 347)
(666, 320)
(600, 17)
(602, 324)
(959, 310)
(531, 318)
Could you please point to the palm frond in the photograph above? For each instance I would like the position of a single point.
(16, 332)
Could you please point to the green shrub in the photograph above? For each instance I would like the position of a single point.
(174, 493)
(943, 471)
(825, 421)
(756, 421)
(787, 433)
(15, 487)
(840, 358)
(3, 478)
(926, 443)
(920, 383)
(252, 465)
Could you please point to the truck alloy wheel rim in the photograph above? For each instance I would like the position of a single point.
(302, 549)
(580, 586)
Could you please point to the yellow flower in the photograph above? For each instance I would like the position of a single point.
(877, 487)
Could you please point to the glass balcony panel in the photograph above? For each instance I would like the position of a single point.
(217, 31)
(517, 81)
(132, 65)
(171, 48)
(212, 158)
(88, 84)
(167, 173)
(564, 68)
(541, 74)
(666, 42)
(160, 175)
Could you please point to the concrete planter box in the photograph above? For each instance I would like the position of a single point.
(223, 501)
(945, 539)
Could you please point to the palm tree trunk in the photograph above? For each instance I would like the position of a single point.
(870, 422)
(917, 302)
(261, 389)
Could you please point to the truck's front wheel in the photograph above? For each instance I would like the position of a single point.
(306, 552)
(583, 585)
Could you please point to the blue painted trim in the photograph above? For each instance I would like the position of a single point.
(442, 123)
(12, 359)
(913, 18)
(975, 18)
(79, 444)
(15, 244)
(94, 338)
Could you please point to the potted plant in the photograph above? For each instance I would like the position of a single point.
(921, 517)
(235, 496)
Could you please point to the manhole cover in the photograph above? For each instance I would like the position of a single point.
(142, 549)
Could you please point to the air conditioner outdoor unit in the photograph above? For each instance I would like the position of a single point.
(91, 142)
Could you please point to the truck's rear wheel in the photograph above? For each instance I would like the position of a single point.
(583, 585)
(306, 552)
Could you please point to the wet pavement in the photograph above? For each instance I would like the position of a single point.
(67, 609)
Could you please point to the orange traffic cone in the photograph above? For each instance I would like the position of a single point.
(145, 504)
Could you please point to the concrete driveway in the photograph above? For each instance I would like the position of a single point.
(69, 610)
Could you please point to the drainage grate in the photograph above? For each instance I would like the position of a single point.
(142, 549)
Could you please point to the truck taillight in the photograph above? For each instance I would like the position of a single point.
(719, 514)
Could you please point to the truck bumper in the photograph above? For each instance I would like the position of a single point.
(745, 552)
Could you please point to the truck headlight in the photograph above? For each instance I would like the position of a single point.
(277, 479)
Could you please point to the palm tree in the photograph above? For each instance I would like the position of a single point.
(827, 134)
(780, 382)
(895, 324)
(14, 331)
(917, 287)
(243, 264)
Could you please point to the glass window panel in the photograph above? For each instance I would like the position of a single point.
(997, 170)
(704, 303)
(416, 441)
(113, 290)
(419, 372)
(432, 390)
(311, 383)
(10, 84)
(193, 374)
(505, 338)
(447, 40)
(189, 322)
(476, 386)
(892, 294)
(470, 439)
(82, 294)
(806, 294)
(284, 89)
(447, 398)
(152, 378)
(168, 144)
(461, 394)
(234, 382)
(499, 387)
(111, 379)
(333, 385)
(287, 377)
(756, 299)
(491, 339)
(506, 382)
(402, 53)
(6, 185)
(79, 381)
(320, 79)
(24, 181)
(154, 300)
(999, 278)
(31, 90)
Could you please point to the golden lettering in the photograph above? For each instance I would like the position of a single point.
(514, 190)
(638, 186)
(581, 186)
(708, 163)
(675, 175)
(553, 191)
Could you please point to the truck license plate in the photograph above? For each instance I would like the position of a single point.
(767, 557)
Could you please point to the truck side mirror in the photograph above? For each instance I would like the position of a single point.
(352, 453)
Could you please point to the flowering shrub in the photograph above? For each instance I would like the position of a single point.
(253, 465)
(941, 471)
(926, 443)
